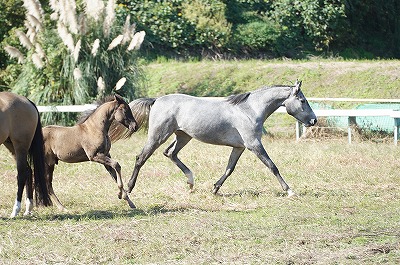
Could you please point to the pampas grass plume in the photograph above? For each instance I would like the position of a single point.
(15, 53)
(137, 40)
(95, 48)
(34, 22)
(94, 9)
(39, 51)
(110, 17)
(120, 83)
(24, 39)
(34, 8)
(77, 49)
(101, 86)
(37, 61)
(77, 74)
(115, 42)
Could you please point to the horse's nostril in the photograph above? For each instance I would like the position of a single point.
(313, 121)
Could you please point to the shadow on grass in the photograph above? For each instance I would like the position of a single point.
(106, 214)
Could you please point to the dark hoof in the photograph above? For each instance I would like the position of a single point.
(216, 189)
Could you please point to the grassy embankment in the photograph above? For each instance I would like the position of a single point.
(346, 211)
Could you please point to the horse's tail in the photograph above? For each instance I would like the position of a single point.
(140, 109)
(36, 155)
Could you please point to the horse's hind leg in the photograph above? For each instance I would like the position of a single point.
(234, 157)
(29, 192)
(180, 141)
(23, 175)
(23, 171)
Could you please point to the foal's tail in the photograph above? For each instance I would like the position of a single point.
(140, 109)
(36, 156)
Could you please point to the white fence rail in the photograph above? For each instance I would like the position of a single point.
(350, 113)
(69, 108)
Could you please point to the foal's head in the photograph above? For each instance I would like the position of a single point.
(123, 114)
(297, 106)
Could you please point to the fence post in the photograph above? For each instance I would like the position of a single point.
(352, 123)
(396, 129)
(298, 132)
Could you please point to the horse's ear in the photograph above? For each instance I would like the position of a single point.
(296, 87)
(119, 98)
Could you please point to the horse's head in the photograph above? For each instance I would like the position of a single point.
(297, 106)
(123, 114)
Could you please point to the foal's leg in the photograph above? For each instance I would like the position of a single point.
(180, 141)
(108, 162)
(113, 174)
(53, 196)
(234, 157)
(259, 150)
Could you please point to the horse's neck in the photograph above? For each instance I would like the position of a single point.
(102, 117)
(267, 100)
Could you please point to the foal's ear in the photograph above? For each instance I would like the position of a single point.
(296, 87)
(119, 99)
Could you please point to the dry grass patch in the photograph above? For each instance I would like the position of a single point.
(346, 211)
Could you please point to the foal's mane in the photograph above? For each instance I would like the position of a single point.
(86, 114)
(241, 98)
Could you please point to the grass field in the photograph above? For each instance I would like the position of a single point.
(346, 211)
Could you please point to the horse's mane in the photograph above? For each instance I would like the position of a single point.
(237, 99)
(240, 98)
(86, 114)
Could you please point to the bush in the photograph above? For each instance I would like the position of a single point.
(254, 37)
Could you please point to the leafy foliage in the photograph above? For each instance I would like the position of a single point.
(78, 55)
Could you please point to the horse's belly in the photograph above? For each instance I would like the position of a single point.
(73, 156)
(218, 137)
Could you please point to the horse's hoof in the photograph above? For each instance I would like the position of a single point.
(130, 203)
(291, 194)
(27, 213)
(216, 189)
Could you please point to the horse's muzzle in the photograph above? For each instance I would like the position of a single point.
(312, 122)
(133, 127)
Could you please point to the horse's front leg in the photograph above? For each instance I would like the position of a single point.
(259, 150)
(114, 169)
(234, 157)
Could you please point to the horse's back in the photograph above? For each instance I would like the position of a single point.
(208, 119)
(18, 117)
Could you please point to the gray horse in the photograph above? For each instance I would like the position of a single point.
(235, 121)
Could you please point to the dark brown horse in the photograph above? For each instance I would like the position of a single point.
(88, 140)
(21, 133)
